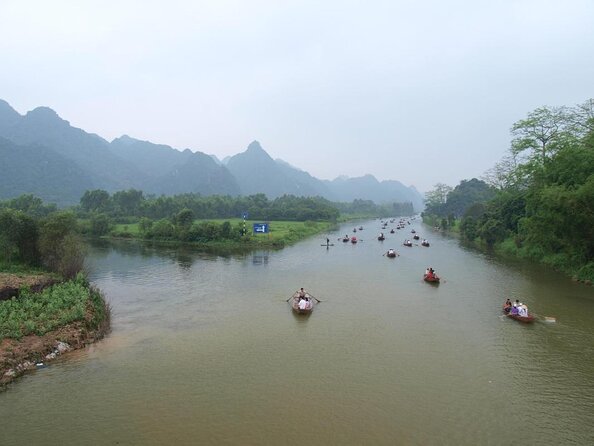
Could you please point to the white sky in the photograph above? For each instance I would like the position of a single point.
(417, 91)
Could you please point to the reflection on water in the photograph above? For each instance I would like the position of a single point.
(206, 350)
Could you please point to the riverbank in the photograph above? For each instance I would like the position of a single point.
(37, 327)
(281, 234)
(508, 249)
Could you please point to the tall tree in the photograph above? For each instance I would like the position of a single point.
(542, 133)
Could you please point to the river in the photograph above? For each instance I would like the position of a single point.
(205, 350)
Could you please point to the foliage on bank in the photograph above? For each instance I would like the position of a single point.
(56, 306)
(543, 208)
(48, 240)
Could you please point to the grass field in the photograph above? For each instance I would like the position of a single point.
(280, 232)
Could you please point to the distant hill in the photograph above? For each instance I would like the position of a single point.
(368, 187)
(256, 172)
(43, 154)
(42, 172)
(174, 172)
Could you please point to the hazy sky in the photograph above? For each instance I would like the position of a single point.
(418, 91)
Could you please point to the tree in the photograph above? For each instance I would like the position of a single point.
(128, 202)
(59, 244)
(184, 218)
(100, 224)
(542, 133)
(94, 200)
(436, 198)
(18, 237)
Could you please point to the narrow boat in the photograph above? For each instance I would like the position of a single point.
(527, 319)
(409, 244)
(425, 243)
(381, 238)
(431, 278)
(360, 228)
(416, 237)
(391, 253)
(353, 240)
(295, 303)
(345, 239)
(392, 231)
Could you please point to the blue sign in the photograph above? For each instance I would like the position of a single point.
(260, 228)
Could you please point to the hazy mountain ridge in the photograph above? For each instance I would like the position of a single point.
(50, 158)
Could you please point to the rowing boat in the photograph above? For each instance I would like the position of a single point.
(517, 317)
(431, 278)
(295, 303)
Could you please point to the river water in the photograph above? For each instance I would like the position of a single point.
(205, 350)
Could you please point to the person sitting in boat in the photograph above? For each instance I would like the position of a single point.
(427, 271)
(304, 303)
(302, 293)
(391, 252)
(522, 310)
(507, 306)
(514, 309)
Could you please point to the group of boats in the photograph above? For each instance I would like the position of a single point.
(303, 303)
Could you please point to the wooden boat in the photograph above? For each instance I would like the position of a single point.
(416, 237)
(353, 240)
(412, 231)
(295, 303)
(360, 228)
(392, 231)
(391, 254)
(527, 319)
(409, 244)
(425, 244)
(345, 239)
(381, 238)
(431, 279)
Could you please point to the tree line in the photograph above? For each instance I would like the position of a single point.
(538, 201)
(38, 234)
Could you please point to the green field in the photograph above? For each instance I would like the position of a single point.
(281, 232)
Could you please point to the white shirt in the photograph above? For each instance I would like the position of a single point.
(303, 304)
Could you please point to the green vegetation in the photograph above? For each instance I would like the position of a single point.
(543, 202)
(56, 306)
(220, 231)
(50, 241)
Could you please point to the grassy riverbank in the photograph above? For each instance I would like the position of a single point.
(281, 233)
(38, 326)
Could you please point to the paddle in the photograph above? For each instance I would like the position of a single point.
(290, 298)
(314, 297)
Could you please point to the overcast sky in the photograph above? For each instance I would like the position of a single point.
(416, 91)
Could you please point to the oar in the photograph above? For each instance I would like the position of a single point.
(290, 298)
(315, 298)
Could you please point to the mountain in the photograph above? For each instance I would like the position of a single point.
(8, 116)
(60, 162)
(44, 128)
(256, 172)
(175, 172)
(43, 154)
(368, 187)
(42, 172)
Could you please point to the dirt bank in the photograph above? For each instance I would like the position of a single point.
(17, 356)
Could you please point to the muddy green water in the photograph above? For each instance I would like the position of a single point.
(204, 350)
